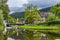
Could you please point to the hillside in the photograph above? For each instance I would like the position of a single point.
(17, 14)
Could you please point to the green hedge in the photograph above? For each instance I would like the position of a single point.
(50, 23)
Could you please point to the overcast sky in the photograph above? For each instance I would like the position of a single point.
(39, 3)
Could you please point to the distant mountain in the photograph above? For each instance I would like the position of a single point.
(18, 15)
(45, 9)
(21, 14)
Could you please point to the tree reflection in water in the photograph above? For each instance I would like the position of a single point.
(33, 35)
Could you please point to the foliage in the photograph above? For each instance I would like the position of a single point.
(52, 17)
(5, 8)
(11, 19)
(1, 18)
(4, 15)
(32, 14)
(1, 24)
(55, 13)
(1, 21)
(56, 10)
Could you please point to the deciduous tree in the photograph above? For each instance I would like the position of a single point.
(32, 14)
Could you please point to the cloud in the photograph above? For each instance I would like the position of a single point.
(16, 3)
(23, 3)
(20, 3)
(43, 3)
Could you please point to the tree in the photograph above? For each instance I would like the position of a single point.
(1, 21)
(56, 10)
(1, 24)
(32, 14)
(54, 13)
(4, 15)
(5, 8)
(51, 17)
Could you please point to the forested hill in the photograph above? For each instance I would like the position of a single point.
(45, 9)
(21, 14)
(18, 14)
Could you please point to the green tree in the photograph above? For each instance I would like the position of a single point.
(4, 15)
(56, 10)
(5, 8)
(54, 13)
(32, 14)
(52, 17)
(1, 25)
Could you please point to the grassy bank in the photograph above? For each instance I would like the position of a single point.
(40, 27)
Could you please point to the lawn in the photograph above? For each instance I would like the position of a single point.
(51, 30)
(40, 27)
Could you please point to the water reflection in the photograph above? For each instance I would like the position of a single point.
(32, 35)
(27, 35)
(10, 39)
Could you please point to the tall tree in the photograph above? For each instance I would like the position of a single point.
(54, 13)
(32, 14)
(1, 21)
(51, 17)
(56, 10)
(5, 8)
(1, 25)
(4, 14)
(36, 15)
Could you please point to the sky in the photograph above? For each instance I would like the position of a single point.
(14, 5)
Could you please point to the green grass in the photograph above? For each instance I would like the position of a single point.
(44, 29)
(51, 31)
(40, 27)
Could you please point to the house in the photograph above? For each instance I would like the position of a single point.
(44, 15)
